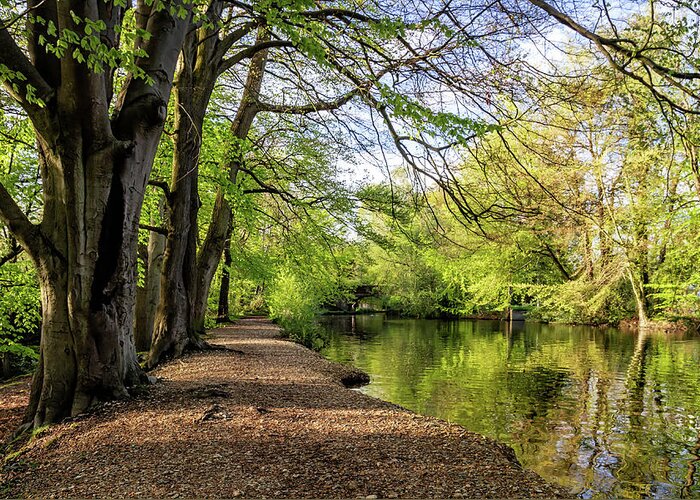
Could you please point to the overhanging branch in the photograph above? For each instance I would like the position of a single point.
(21, 227)
(250, 52)
(154, 229)
(607, 46)
(30, 89)
(313, 107)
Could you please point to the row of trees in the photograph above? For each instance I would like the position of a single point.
(596, 217)
(166, 130)
(95, 81)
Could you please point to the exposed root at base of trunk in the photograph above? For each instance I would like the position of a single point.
(193, 345)
(206, 346)
(32, 423)
(22, 430)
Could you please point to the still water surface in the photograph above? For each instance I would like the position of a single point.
(602, 412)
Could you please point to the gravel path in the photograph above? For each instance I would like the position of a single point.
(267, 419)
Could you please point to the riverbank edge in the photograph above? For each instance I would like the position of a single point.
(16, 476)
(670, 326)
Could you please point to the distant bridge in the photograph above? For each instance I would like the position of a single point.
(362, 291)
(350, 303)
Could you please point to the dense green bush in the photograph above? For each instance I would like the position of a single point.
(20, 315)
(294, 304)
(583, 301)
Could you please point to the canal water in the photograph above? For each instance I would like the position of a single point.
(602, 412)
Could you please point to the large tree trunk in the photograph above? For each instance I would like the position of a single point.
(172, 335)
(94, 172)
(150, 295)
(209, 257)
(196, 76)
(187, 275)
(87, 281)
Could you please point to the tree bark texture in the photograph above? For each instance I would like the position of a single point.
(187, 275)
(94, 172)
(173, 332)
(148, 302)
(640, 297)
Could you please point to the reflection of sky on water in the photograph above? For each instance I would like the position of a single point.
(603, 412)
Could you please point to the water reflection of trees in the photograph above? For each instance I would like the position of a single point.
(606, 412)
(688, 490)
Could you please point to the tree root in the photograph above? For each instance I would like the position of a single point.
(202, 345)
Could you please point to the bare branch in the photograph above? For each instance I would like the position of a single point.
(617, 45)
(233, 37)
(313, 107)
(21, 227)
(154, 229)
(250, 52)
(29, 84)
(15, 252)
(339, 13)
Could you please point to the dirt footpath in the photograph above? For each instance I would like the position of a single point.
(267, 419)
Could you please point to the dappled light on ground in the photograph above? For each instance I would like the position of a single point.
(269, 418)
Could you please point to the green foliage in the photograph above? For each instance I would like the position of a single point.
(675, 287)
(567, 196)
(20, 312)
(84, 43)
(295, 304)
(436, 123)
(584, 302)
(16, 79)
(20, 307)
